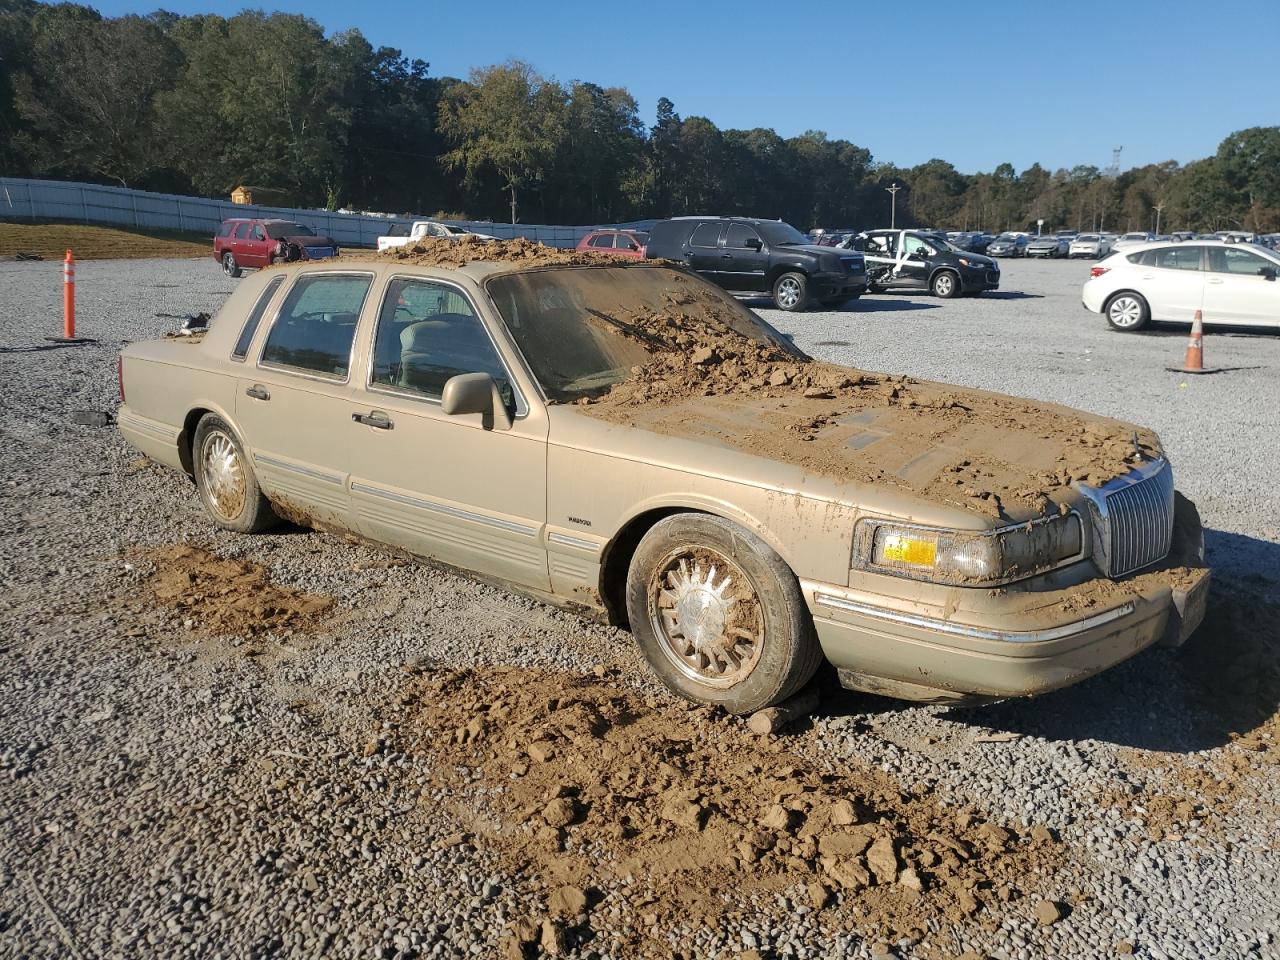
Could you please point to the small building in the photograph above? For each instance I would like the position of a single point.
(269, 196)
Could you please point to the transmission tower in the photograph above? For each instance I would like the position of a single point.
(1114, 169)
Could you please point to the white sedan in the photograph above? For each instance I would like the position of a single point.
(1230, 283)
(1091, 245)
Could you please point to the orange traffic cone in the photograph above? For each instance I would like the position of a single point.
(1194, 360)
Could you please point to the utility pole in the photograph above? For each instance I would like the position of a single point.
(1159, 206)
(893, 205)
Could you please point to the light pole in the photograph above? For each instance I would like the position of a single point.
(1159, 206)
(893, 205)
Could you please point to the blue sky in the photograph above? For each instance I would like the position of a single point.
(1061, 82)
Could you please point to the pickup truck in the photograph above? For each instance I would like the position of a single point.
(425, 229)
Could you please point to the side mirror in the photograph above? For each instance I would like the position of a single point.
(475, 393)
(753, 243)
(1268, 273)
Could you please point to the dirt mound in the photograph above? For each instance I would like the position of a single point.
(585, 787)
(438, 252)
(232, 597)
(969, 447)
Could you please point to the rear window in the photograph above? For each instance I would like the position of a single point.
(255, 317)
(707, 235)
(317, 324)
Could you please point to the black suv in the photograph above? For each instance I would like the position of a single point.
(911, 259)
(761, 256)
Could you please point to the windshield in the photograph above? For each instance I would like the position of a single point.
(776, 233)
(456, 231)
(583, 329)
(278, 231)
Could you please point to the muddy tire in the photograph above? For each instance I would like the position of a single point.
(718, 615)
(791, 292)
(225, 481)
(945, 284)
(1127, 311)
(229, 265)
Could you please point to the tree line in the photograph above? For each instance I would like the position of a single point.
(200, 104)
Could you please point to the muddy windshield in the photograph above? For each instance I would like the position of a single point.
(583, 329)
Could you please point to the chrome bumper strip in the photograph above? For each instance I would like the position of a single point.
(977, 633)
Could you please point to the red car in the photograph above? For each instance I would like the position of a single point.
(625, 243)
(256, 243)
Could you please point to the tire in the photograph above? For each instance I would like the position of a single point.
(945, 284)
(1127, 311)
(229, 265)
(776, 651)
(791, 292)
(226, 484)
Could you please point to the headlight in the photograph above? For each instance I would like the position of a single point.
(968, 557)
(971, 264)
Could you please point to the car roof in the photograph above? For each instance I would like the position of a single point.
(1197, 242)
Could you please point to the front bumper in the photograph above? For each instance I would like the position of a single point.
(974, 281)
(828, 286)
(1021, 644)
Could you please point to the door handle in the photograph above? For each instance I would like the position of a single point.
(1214, 280)
(726, 256)
(258, 392)
(374, 419)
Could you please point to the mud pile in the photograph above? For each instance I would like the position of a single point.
(586, 788)
(438, 252)
(231, 597)
(998, 455)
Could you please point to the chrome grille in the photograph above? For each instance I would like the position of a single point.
(1136, 518)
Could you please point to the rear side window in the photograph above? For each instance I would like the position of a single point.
(1177, 258)
(602, 240)
(226, 229)
(255, 317)
(706, 235)
(317, 324)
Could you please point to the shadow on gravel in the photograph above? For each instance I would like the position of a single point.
(1010, 295)
(1161, 328)
(37, 348)
(878, 304)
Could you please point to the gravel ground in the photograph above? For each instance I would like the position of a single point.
(167, 792)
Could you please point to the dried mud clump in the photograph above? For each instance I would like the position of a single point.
(230, 597)
(592, 792)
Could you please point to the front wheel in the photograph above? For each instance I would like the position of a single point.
(229, 265)
(1128, 311)
(226, 484)
(945, 284)
(791, 292)
(719, 615)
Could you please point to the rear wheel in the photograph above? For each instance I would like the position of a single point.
(1128, 311)
(791, 292)
(945, 284)
(719, 615)
(225, 481)
(229, 265)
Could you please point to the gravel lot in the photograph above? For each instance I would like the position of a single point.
(167, 791)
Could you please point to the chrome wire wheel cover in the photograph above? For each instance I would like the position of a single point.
(788, 293)
(1125, 311)
(223, 473)
(706, 616)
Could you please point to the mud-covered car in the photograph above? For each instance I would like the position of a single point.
(627, 440)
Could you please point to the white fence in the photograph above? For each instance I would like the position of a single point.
(22, 199)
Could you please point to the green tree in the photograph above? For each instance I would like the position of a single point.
(507, 119)
(88, 100)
